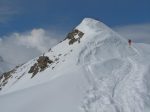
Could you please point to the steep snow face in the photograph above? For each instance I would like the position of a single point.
(100, 43)
(115, 71)
(92, 70)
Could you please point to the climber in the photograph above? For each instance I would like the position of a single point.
(129, 41)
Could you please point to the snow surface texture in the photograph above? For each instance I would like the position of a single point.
(99, 73)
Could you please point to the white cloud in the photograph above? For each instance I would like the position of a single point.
(37, 38)
(18, 48)
(137, 32)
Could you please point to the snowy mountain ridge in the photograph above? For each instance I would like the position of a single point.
(91, 28)
(92, 70)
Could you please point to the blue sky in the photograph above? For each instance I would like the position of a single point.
(24, 15)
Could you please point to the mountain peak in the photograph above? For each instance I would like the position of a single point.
(95, 30)
(89, 20)
(91, 24)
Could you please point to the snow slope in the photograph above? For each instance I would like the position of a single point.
(93, 70)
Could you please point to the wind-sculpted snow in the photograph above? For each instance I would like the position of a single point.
(116, 73)
(99, 72)
(117, 81)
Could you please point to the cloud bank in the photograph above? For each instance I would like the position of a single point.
(18, 48)
(138, 33)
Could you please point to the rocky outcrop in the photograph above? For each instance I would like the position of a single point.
(6, 76)
(74, 36)
(41, 65)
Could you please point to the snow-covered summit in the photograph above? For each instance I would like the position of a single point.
(91, 26)
(92, 70)
(90, 23)
(96, 31)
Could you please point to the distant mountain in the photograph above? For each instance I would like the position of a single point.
(4, 66)
(92, 70)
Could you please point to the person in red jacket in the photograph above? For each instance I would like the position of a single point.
(129, 41)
